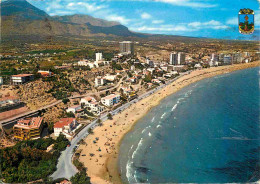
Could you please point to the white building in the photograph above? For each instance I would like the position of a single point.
(177, 58)
(100, 81)
(237, 57)
(1, 81)
(126, 47)
(173, 58)
(110, 77)
(213, 60)
(150, 62)
(99, 57)
(133, 67)
(83, 63)
(22, 78)
(91, 103)
(110, 100)
(227, 59)
(87, 63)
(198, 66)
(73, 109)
(65, 126)
(181, 58)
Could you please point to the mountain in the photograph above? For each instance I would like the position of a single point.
(20, 19)
(84, 19)
(21, 9)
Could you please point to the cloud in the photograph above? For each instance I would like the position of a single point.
(162, 28)
(158, 21)
(117, 18)
(188, 3)
(89, 7)
(182, 27)
(213, 24)
(232, 21)
(146, 15)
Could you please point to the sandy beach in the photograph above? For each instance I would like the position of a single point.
(104, 144)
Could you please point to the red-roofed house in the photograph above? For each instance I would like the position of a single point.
(45, 73)
(29, 128)
(65, 126)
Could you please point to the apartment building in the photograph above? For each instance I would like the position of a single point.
(29, 128)
(110, 100)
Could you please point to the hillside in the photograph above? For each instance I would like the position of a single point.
(21, 19)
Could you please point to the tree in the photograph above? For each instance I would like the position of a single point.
(80, 178)
(99, 122)
(90, 131)
(148, 77)
(109, 116)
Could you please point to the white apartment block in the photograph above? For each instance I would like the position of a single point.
(99, 57)
(100, 81)
(110, 100)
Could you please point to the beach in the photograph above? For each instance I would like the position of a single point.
(104, 144)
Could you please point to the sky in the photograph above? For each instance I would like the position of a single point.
(196, 18)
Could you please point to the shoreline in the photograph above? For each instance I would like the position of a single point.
(103, 166)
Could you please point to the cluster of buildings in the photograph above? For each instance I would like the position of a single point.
(94, 106)
(31, 128)
(100, 61)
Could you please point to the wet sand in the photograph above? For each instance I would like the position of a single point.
(104, 144)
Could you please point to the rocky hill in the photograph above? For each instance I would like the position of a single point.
(21, 19)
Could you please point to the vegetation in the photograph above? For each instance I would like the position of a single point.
(90, 131)
(109, 116)
(99, 122)
(29, 161)
(116, 66)
(80, 178)
(148, 77)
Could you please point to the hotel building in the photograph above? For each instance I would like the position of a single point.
(29, 128)
(110, 100)
(21, 78)
(126, 47)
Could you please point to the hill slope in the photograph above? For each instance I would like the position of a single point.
(20, 18)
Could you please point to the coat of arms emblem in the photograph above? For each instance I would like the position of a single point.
(246, 21)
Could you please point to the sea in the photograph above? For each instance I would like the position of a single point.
(208, 132)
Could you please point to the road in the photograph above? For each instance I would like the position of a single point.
(65, 167)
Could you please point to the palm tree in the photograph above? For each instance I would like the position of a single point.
(90, 131)
(109, 116)
(99, 122)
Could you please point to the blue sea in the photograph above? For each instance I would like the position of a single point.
(207, 132)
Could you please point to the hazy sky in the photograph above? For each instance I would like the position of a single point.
(199, 18)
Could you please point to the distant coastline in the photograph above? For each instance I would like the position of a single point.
(103, 166)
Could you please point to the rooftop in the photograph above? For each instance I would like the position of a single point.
(22, 75)
(64, 122)
(29, 123)
(110, 96)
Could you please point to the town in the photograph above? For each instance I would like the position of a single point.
(44, 96)
(76, 93)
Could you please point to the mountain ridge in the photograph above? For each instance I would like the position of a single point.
(19, 17)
